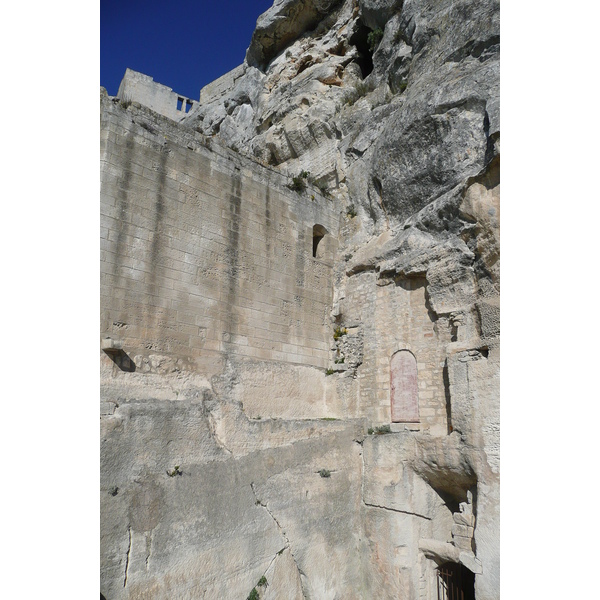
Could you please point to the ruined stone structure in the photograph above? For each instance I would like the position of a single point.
(300, 314)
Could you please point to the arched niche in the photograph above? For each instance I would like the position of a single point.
(319, 232)
(404, 394)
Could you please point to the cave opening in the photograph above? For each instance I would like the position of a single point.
(360, 39)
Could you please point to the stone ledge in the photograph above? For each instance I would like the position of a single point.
(400, 427)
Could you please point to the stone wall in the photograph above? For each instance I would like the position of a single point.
(204, 252)
(392, 315)
(137, 87)
(216, 89)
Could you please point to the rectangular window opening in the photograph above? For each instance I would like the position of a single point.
(179, 103)
(188, 106)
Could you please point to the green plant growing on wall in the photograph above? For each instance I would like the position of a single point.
(374, 38)
(325, 473)
(351, 212)
(299, 181)
(174, 472)
(382, 429)
(329, 372)
(298, 184)
(262, 582)
(339, 332)
(253, 595)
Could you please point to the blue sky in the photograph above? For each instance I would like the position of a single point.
(183, 45)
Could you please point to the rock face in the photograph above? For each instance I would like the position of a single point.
(319, 230)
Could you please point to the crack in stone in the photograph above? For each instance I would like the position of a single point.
(397, 510)
(127, 557)
(149, 547)
(287, 542)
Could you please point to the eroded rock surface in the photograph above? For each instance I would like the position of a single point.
(331, 202)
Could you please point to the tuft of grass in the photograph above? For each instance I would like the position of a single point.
(262, 582)
(325, 473)
(339, 332)
(174, 472)
(253, 595)
(351, 212)
(382, 429)
(329, 372)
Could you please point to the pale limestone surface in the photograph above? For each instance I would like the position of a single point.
(222, 321)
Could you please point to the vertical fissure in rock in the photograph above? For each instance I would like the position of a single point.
(127, 557)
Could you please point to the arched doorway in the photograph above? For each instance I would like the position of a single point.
(404, 394)
(455, 582)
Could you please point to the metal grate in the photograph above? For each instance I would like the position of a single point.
(455, 582)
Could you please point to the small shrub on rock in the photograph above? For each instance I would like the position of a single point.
(174, 472)
(374, 38)
(299, 182)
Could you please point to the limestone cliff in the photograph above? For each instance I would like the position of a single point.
(301, 290)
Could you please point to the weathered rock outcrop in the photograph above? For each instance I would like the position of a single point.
(334, 204)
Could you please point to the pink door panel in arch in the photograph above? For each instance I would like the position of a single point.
(403, 388)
